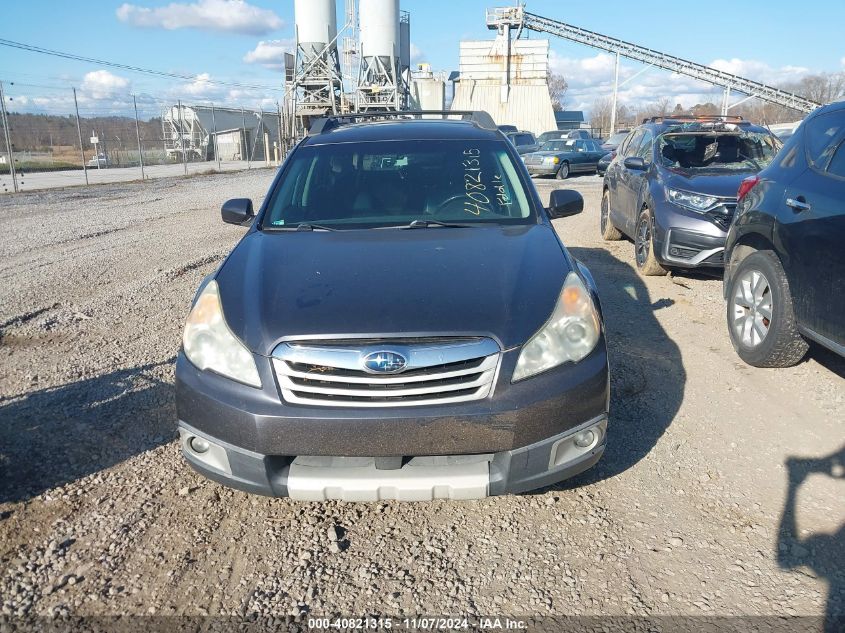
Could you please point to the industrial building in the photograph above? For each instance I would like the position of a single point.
(507, 78)
(428, 89)
(195, 131)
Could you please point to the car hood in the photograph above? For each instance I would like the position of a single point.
(495, 281)
(712, 183)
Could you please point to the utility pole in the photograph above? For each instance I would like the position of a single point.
(8, 139)
(246, 139)
(182, 139)
(138, 134)
(615, 96)
(281, 127)
(214, 141)
(79, 133)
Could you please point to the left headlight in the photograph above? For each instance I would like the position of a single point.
(569, 335)
(209, 343)
(694, 201)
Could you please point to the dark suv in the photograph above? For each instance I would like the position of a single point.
(400, 321)
(785, 252)
(672, 188)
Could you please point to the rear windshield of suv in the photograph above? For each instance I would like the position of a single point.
(392, 183)
(739, 150)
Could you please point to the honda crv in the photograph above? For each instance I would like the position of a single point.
(672, 188)
(400, 320)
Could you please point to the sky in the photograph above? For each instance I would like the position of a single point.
(239, 43)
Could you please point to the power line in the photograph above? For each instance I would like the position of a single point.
(136, 69)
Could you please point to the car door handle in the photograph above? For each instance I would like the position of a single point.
(797, 204)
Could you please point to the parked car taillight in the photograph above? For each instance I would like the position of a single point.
(745, 186)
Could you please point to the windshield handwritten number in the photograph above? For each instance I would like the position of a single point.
(472, 182)
(474, 188)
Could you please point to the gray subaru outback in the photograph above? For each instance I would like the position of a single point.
(400, 321)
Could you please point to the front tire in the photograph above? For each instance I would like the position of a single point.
(647, 263)
(563, 171)
(609, 233)
(760, 315)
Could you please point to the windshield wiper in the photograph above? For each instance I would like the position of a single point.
(302, 226)
(424, 224)
(306, 226)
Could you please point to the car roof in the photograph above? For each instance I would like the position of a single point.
(404, 130)
(830, 107)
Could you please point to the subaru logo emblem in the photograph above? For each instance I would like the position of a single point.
(384, 362)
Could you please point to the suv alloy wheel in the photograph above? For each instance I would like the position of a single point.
(760, 316)
(647, 263)
(609, 233)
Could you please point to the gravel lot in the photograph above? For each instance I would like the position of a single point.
(687, 513)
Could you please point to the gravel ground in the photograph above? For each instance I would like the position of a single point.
(687, 514)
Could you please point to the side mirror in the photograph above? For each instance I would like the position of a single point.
(237, 211)
(565, 202)
(636, 163)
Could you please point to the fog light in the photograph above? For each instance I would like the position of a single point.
(674, 251)
(199, 445)
(585, 439)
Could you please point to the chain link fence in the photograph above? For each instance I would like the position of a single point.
(57, 137)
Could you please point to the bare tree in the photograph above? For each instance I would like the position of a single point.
(600, 114)
(661, 107)
(823, 88)
(557, 91)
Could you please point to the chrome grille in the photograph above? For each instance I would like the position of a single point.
(437, 372)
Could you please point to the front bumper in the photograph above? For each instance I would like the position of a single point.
(691, 249)
(542, 170)
(508, 435)
(686, 239)
(308, 478)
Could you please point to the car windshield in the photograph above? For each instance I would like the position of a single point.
(558, 146)
(737, 150)
(549, 136)
(393, 183)
(617, 138)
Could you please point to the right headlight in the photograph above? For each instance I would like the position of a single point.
(570, 334)
(209, 343)
(697, 202)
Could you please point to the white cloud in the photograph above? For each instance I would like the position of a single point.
(236, 16)
(270, 53)
(760, 71)
(101, 84)
(201, 86)
(591, 78)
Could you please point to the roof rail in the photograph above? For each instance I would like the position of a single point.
(728, 118)
(479, 117)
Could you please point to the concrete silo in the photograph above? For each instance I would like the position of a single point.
(317, 82)
(380, 84)
(428, 91)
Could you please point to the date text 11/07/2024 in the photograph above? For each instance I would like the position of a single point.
(418, 624)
